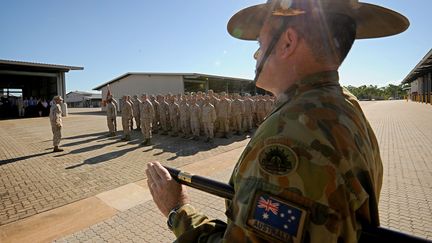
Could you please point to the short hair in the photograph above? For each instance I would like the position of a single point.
(334, 39)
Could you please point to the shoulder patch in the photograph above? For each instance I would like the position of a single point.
(278, 159)
(277, 219)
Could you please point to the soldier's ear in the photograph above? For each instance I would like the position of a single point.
(288, 42)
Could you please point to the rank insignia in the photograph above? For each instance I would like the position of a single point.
(275, 218)
(278, 159)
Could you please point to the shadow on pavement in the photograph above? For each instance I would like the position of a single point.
(8, 161)
(104, 157)
(86, 149)
(86, 135)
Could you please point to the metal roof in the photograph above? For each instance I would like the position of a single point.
(196, 76)
(39, 65)
(423, 67)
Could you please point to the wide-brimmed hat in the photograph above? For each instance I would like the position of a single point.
(372, 21)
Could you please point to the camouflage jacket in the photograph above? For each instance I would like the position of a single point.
(314, 162)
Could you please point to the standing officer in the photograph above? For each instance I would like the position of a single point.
(313, 170)
(163, 114)
(136, 111)
(155, 123)
(56, 122)
(237, 111)
(126, 114)
(184, 114)
(208, 119)
(173, 116)
(195, 118)
(111, 110)
(248, 112)
(223, 114)
(147, 116)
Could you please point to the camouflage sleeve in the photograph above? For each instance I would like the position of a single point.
(191, 226)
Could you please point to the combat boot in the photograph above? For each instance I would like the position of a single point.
(57, 149)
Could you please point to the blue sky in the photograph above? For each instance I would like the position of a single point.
(111, 37)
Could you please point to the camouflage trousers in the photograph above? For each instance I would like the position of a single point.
(208, 129)
(137, 120)
(146, 128)
(224, 123)
(111, 124)
(56, 130)
(247, 122)
(164, 124)
(185, 126)
(237, 120)
(126, 126)
(195, 127)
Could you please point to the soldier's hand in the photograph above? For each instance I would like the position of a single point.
(166, 192)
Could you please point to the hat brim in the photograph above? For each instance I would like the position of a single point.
(372, 21)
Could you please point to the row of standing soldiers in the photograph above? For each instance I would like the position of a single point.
(190, 114)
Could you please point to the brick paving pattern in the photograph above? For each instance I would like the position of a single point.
(34, 180)
(40, 181)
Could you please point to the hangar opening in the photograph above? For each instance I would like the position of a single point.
(27, 88)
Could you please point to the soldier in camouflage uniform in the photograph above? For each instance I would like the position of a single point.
(155, 123)
(126, 115)
(208, 116)
(136, 111)
(147, 116)
(56, 122)
(312, 172)
(163, 114)
(184, 114)
(195, 118)
(223, 110)
(173, 109)
(248, 113)
(111, 110)
(237, 111)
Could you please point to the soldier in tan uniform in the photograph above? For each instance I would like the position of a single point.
(163, 114)
(126, 115)
(155, 123)
(111, 110)
(184, 114)
(208, 116)
(260, 109)
(237, 111)
(268, 104)
(147, 117)
(312, 172)
(195, 118)
(248, 113)
(136, 111)
(173, 109)
(56, 122)
(223, 114)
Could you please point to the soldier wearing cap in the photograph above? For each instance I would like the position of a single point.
(136, 111)
(147, 117)
(237, 111)
(126, 114)
(56, 122)
(111, 110)
(208, 116)
(312, 172)
(223, 110)
(248, 113)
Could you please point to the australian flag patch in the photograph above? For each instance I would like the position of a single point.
(277, 218)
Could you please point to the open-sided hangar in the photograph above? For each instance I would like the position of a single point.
(420, 80)
(28, 79)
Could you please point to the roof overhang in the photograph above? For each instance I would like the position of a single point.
(423, 67)
(34, 66)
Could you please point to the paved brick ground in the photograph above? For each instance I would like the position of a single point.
(33, 180)
(404, 131)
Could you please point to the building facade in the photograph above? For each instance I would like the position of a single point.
(420, 80)
(81, 99)
(175, 83)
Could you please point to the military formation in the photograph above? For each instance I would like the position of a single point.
(189, 115)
